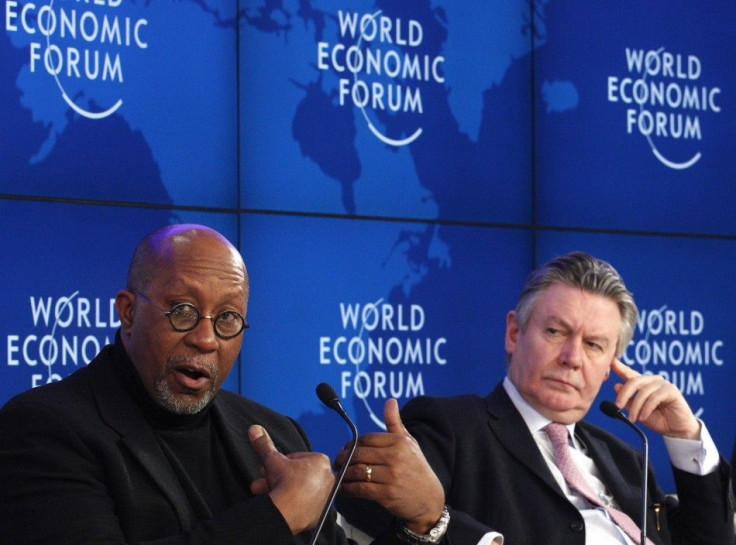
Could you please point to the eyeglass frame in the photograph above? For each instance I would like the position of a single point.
(214, 319)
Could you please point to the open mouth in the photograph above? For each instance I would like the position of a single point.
(192, 378)
(194, 374)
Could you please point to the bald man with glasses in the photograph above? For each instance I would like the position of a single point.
(142, 445)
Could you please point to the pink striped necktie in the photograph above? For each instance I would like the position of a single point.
(558, 435)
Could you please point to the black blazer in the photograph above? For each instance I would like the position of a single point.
(79, 464)
(495, 478)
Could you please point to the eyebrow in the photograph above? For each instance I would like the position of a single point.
(602, 340)
(556, 320)
(563, 324)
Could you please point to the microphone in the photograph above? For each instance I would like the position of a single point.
(328, 396)
(610, 409)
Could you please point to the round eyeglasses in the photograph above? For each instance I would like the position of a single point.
(185, 317)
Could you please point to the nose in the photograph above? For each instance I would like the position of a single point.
(203, 335)
(571, 354)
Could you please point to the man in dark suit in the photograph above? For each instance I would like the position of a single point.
(498, 468)
(142, 446)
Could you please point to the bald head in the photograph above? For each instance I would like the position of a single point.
(161, 248)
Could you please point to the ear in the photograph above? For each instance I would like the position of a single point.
(512, 332)
(125, 305)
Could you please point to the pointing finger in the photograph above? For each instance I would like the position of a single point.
(623, 371)
(259, 486)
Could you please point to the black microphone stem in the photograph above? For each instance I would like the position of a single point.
(644, 468)
(610, 409)
(328, 396)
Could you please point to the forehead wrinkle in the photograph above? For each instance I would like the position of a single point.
(599, 337)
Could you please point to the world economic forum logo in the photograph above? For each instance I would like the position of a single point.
(67, 332)
(667, 99)
(381, 69)
(81, 46)
(676, 345)
(382, 352)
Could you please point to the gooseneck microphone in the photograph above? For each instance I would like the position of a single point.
(328, 396)
(609, 408)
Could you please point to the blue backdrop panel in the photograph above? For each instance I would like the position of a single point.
(361, 306)
(131, 101)
(438, 128)
(685, 327)
(635, 116)
(257, 117)
(68, 262)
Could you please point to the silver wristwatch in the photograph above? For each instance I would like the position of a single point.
(435, 535)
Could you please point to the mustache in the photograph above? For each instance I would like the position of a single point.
(191, 362)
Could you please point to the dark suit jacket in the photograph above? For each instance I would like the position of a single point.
(79, 464)
(495, 478)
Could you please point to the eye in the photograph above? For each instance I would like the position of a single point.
(229, 317)
(184, 310)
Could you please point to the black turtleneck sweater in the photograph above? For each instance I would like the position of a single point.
(193, 446)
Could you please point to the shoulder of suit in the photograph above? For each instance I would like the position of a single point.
(462, 401)
(460, 410)
(62, 394)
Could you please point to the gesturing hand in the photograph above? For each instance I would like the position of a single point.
(391, 469)
(298, 483)
(655, 402)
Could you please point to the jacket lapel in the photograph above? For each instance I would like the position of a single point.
(121, 413)
(511, 430)
(234, 433)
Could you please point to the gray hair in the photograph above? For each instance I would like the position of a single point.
(581, 270)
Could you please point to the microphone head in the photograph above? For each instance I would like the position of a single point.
(609, 408)
(327, 395)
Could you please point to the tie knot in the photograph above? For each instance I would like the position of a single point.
(557, 433)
